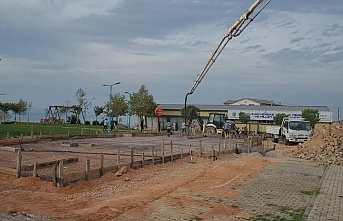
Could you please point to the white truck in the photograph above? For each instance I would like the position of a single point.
(273, 131)
(292, 130)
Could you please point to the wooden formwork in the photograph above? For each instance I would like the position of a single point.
(137, 160)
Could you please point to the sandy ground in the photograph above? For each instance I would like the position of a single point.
(137, 191)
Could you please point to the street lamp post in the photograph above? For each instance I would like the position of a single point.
(2, 95)
(110, 106)
(67, 112)
(129, 114)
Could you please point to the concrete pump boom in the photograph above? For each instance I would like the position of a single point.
(235, 30)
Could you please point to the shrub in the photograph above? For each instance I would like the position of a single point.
(95, 122)
(87, 122)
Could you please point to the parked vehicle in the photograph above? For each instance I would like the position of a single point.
(215, 122)
(292, 130)
(273, 131)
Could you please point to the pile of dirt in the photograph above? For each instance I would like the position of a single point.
(325, 146)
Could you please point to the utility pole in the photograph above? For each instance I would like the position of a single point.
(110, 110)
(338, 115)
(129, 112)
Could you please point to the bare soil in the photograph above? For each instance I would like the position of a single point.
(137, 192)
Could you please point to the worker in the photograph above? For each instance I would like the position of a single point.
(193, 126)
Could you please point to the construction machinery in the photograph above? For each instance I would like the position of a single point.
(235, 30)
(214, 124)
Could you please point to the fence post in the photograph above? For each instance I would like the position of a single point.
(190, 151)
(212, 150)
(171, 150)
(88, 167)
(118, 159)
(152, 156)
(264, 145)
(142, 160)
(162, 151)
(60, 174)
(249, 144)
(213, 155)
(200, 148)
(181, 154)
(54, 174)
(19, 159)
(8, 135)
(219, 146)
(101, 164)
(34, 169)
(131, 164)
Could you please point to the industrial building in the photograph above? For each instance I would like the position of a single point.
(261, 113)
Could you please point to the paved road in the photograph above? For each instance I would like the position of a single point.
(328, 205)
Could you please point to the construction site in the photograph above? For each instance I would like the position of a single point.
(172, 178)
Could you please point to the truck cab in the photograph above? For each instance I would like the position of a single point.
(215, 123)
(295, 130)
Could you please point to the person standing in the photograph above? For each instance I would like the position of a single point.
(112, 123)
(226, 128)
(183, 128)
(105, 124)
(168, 125)
(142, 125)
(233, 128)
(193, 126)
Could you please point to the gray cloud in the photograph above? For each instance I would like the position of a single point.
(52, 48)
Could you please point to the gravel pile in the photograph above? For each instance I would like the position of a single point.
(325, 146)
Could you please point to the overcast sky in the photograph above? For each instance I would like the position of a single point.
(291, 53)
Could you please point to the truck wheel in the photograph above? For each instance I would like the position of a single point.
(285, 141)
(210, 130)
(275, 140)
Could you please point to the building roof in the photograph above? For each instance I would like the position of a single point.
(260, 101)
(204, 107)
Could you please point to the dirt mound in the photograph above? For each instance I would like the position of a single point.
(325, 146)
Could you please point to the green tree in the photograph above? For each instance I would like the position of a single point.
(119, 106)
(142, 103)
(97, 111)
(244, 118)
(311, 115)
(83, 104)
(278, 118)
(5, 108)
(75, 118)
(189, 110)
(22, 107)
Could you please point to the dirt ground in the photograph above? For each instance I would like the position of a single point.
(137, 192)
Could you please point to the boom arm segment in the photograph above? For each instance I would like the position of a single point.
(235, 30)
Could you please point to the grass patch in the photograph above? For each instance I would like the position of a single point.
(311, 192)
(271, 204)
(286, 214)
(234, 206)
(196, 218)
(37, 129)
